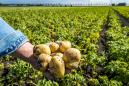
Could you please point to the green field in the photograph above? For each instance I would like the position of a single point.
(97, 32)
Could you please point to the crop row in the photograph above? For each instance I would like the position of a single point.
(123, 11)
(82, 26)
(118, 51)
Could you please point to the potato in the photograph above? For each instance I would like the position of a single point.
(57, 54)
(72, 58)
(64, 45)
(57, 67)
(44, 60)
(42, 49)
(54, 47)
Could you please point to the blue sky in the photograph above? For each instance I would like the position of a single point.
(62, 1)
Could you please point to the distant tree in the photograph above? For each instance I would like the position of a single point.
(113, 4)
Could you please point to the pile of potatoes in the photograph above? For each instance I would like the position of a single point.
(57, 56)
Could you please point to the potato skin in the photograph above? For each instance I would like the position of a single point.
(54, 47)
(57, 67)
(72, 58)
(64, 45)
(42, 48)
(44, 60)
(57, 54)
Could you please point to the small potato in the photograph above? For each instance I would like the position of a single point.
(57, 67)
(64, 45)
(54, 47)
(72, 58)
(44, 60)
(57, 54)
(42, 49)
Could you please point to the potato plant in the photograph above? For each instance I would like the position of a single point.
(118, 51)
(82, 26)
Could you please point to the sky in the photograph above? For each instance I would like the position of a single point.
(62, 1)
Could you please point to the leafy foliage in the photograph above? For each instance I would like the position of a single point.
(82, 26)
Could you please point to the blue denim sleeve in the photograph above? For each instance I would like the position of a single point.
(10, 39)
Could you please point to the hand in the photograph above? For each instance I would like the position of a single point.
(25, 52)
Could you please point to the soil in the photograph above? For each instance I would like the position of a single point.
(102, 41)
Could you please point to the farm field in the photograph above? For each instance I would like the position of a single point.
(98, 32)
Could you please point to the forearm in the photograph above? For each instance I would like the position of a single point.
(15, 41)
(10, 39)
